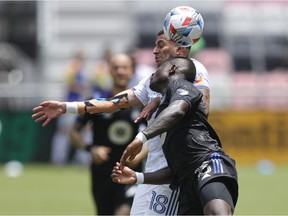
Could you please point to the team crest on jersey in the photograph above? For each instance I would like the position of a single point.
(203, 171)
(120, 132)
(199, 78)
(182, 92)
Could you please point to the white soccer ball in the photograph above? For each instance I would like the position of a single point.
(184, 25)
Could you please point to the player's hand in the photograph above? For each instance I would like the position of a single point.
(47, 111)
(130, 152)
(100, 154)
(148, 110)
(125, 176)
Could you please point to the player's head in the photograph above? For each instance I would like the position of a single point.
(122, 67)
(173, 68)
(165, 49)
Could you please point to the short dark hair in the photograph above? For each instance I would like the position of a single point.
(185, 66)
(160, 32)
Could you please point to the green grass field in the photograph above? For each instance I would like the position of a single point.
(52, 190)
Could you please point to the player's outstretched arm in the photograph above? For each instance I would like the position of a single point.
(49, 110)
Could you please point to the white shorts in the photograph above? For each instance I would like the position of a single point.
(155, 200)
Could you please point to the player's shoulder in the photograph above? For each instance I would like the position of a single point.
(146, 79)
(175, 85)
(202, 76)
(199, 66)
(143, 83)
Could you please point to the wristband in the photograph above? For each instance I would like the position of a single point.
(141, 136)
(140, 178)
(71, 108)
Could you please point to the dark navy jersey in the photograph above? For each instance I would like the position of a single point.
(190, 141)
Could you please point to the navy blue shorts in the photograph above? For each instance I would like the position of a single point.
(215, 178)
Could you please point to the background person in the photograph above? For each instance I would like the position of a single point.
(111, 134)
(61, 151)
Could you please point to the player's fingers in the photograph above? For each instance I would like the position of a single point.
(36, 115)
(116, 170)
(148, 117)
(42, 118)
(37, 109)
(45, 103)
(46, 122)
(132, 157)
(137, 120)
(116, 167)
(123, 160)
(114, 175)
(116, 180)
(141, 116)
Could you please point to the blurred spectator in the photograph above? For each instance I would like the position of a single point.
(112, 132)
(75, 77)
(145, 65)
(61, 151)
(102, 79)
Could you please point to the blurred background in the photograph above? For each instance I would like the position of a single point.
(244, 47)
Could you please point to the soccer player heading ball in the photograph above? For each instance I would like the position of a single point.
(184, 25)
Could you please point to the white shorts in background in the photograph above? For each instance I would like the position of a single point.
(155, 200)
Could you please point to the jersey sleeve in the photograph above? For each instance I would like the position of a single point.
(140, 90)
(143, 92)
(202, 76)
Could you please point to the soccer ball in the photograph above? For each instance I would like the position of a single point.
(184, 25)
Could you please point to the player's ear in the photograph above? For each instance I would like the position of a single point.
(172, 69)
(180, 51)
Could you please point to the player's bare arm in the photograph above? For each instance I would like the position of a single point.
(167, 118)
(139, 157)
(162, 176)
(49, 110)
(206, 99)
(76, 137)
(164, 121)
(129, 176)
